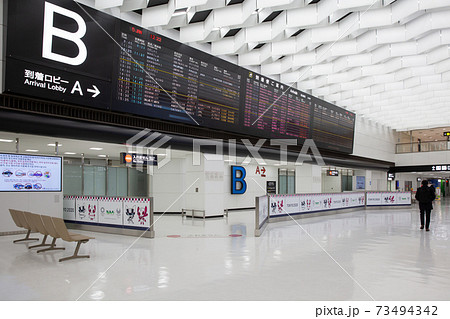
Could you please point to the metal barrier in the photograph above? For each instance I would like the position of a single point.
(433, 146)
(286, 207)
(185, 210)
(116, 215)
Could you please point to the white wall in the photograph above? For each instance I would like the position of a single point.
(331, 184)
(402, 177)
(422, 158)
(308, 179)
(375, 180)
(50, 204)
(167, 184)
(379, 181)
(374, 141)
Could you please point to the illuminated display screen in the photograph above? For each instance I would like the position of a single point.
(268, 110)
(160, 78)
(332, 127)
(131, 70)
(29, 173)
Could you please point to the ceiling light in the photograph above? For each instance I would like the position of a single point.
(102, 155)
(32, 151)
(69, 153)
(53, 144)
(6, 141)
(96, 148)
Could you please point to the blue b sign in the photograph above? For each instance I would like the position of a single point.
(238, 184)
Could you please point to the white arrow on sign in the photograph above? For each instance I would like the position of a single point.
(96, 91)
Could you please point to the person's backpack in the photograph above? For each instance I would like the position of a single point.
(426, 195)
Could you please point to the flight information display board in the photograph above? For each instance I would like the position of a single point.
(332, 127)
(72, 53)
(159, 77)
(272, 109)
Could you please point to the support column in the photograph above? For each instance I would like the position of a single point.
(308, 179)
(206, 192)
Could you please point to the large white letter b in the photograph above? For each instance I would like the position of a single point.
(50, 32)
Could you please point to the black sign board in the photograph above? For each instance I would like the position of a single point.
(133, 159)
(271, 187)
(332, 172)
(421, 168)
(391, 176)
(63, 51)
(446, 133)
(55, 50)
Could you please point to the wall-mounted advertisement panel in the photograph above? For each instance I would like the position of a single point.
(73, 53)
(110, 210)
(360, 182)
(30, 173)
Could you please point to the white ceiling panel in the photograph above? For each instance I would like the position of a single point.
(375, 57)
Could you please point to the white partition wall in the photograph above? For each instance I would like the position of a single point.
(308, 178)
(50, 204)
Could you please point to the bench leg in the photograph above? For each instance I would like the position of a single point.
(27, 237)
(42, 244)
(52, 247)
(75, 254)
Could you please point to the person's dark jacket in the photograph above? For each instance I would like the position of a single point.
(425, 195)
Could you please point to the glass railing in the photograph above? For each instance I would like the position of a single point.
(423, 147)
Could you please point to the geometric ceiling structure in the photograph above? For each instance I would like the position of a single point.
(385, 60)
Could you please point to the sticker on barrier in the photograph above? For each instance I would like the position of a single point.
(110, 210)
(136, 212)
(69, 207)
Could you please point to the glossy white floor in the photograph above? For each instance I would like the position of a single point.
(379, 254)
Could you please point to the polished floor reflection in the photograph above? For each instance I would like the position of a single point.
(364, 255)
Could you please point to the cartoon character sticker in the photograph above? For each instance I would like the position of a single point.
(82, 211)
(142, 215)
(130, 212)
(92, 209)
(86, 209)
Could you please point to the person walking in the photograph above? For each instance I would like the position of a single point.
(425, 195)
